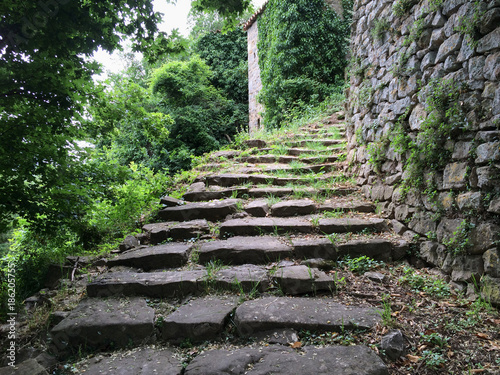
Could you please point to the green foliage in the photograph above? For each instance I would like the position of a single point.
(380, 27)
(302, 48)
(420, 283)
(227, 57)
(360, 264)
(402, 7)
(445, 120)
(459, 242)
(470, 23)
(46, 83)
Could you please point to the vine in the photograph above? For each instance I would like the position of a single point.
(302, 48)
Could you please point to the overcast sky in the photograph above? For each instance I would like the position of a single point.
(174, 17)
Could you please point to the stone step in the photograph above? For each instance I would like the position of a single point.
(284, 192)
(282, 360)
(269, 159)
(233, 180)
(246, 278)
(258, 226)
(141, 361)
(243, 250)
(211, 211)
(98, 323)
(208, 195)
(199, 320)
(313, 141)
(316, 314)
(301, 169)
(168, 284)
(264, 249)
(301, 279)
(293, 208)
(154, 257)
(338, 132)
(159, 232)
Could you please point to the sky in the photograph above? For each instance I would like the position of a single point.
(174, 17)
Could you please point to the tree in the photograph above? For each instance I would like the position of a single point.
(302, 54)
(45, 84)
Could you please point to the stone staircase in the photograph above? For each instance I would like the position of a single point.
(245, 262)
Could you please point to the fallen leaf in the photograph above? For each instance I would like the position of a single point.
(450, 354)
(484, 336)
(476, 371)
(296, 345)
(413, 358)
(421, 347)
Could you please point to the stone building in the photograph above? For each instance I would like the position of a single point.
(254, 82)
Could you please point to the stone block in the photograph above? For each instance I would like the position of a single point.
(451, 6)
(489, 42)
(455, 176)
(485, 176)
(422, 224)
(476, 67)
(489, 21)
(484, 237)
(470, 200)
(393, 344)
(491, 290)
(494, 206)
(446, 228)
(437, 39)
(417, 116)
(491, 68)
(488, 152)
(491, 260)
(467, 268)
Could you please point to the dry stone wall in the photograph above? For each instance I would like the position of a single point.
(424, 120)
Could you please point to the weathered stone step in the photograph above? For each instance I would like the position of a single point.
(245, 278)
(301, 169)
(268, 159)
(160, 232)
(154, 257)
(169, 284)
(141, 361)
(208, 195)
(281, 360)
(257, 226)
(284, 192)
(212, 211)
(316, 314)
(231, 180)
(242, 250)
(316, 134)
(198, 320)
(313, 141)
(98, 323)
(264, 249)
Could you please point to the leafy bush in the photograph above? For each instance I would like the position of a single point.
(302, 54)
(360, 264)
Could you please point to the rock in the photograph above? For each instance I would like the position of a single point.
(212, 211)
(257, 208)
(338, 360)
(163, 256)
(377, 249)
(433, 253)
(168, 284)
(467, 269)
(422, 224)
(143, 361)
(400, 250)
(301, 313)
(393, 344)
(321, 248)
(446, 228)
(494, 206)
(258, 143)
(476, 66)
(489, 21)
(417, 116)
(187, 230)
(302, 279)
(198, 320)
(491, 260)
(208, 195)
(293, 208)
(491, 290)
(483, 237)
(129, 243)
(172, 202)
(246, 278)
(486, 177)
(491, 68)
(462, 150)
(449, 46)
(242, 250)
(322, 264)
(28, 367)
(489, 42)
(455, 176)
(375, 276)
(256, 226)
(351, 225)
(469, 201)
(57, 316)
(488, 152)
(101, 323)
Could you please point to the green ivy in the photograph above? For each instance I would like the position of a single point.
(302, 54)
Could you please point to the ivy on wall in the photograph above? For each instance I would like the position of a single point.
(302, 46)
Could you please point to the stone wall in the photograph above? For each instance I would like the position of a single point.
(254, 81)
(411, 62)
